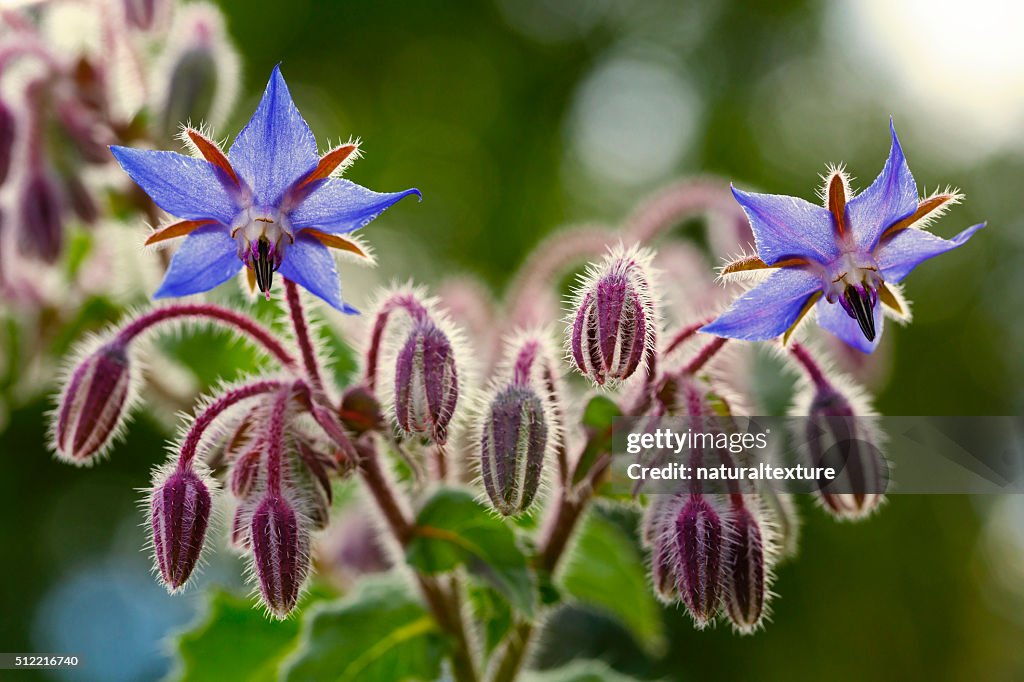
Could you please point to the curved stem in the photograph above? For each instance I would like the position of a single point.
(275, 440)
(814, 371)
(444, 607)
(214, 410)
(680, 201)
(404, 301)
(302, 335)
(704, 355)
(223, 316)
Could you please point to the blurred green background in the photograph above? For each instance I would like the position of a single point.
(515, 117)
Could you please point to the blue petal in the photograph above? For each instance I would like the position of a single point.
(276, 147)
(910, 247)
(184, 187)
(341, 206)
(835, 319)
(207, 258)
(310, 264)
(767, 310)
(891, 197)
(786, 227)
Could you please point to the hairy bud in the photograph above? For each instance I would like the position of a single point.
(745, 571)
(426, 382)
(245, 473)
(93, 405)
(41, 227)
(699, 542)
(659, 537)
(614, 322)
(179, 514)
(513, 440)
(280, 547)
(841, 437)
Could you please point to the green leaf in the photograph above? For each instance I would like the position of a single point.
(453, 530)
(597, 420)
(235, 641)
(605, 571)
(578, 671)
(379, 633)
(492, 613)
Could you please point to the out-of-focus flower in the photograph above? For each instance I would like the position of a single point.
(844, 259)
(614, 322)
(269, 204)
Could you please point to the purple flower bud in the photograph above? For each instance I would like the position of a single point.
(426, 382)
(842, 437)
(179, 514)
(360, 411)
(699, 542)
(92, 407)
(41, 228)
(745, 571)
(7, 130)
(513, 441)
(240, 527)
(245, 473)
(614, 321)
(659, 536)
(280, 547)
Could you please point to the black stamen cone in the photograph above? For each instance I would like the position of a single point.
(859, 301)
(263, 266)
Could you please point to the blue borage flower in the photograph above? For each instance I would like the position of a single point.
(844, 260)
(271, 204)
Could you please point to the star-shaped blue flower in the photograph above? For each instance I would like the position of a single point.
(271, 204)
(844, 260)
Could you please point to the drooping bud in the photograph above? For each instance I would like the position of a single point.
(426, 382)
(745, 571)
(360, 412)
(841, 434)
(614, 321)
(93, 405)
(179, 514)
(41, 228)
(660, 538)
(699, 542)
(245, 473)
(513, 441)
(280, 547)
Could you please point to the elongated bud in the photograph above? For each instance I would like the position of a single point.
(426, 382)
(41, 228)
(660, 538)
(699, 542)
(513, 441)
(245, 473)
(93, 406)
(7, 131)
(280, 547)
(614, 321)
(745, 571)
(840, 434)
(179, 514)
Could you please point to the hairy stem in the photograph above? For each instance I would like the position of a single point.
(814, 371)
(704, 355)
(214, 410)
(222, 316)
(302, 335)
(443, 606)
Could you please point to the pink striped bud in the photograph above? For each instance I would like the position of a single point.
(745, 571)
(659, 537)
(93, 405)
(614, 322)
(699, 542)
(280, 547)
(513, 441)
(179, 514)
(41, 227)
(426, 382)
